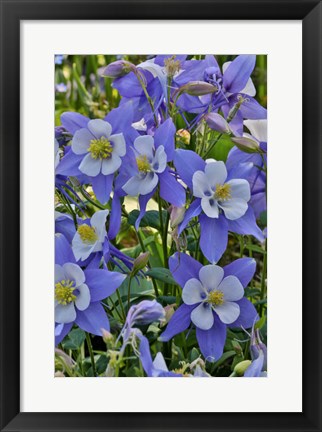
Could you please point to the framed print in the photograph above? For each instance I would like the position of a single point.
(160, 168)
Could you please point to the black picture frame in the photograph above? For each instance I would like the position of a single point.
(12, 12)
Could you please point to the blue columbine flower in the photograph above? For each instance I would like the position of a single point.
(213, 299)
(257, 177)
(78, 293)
(145, 167)
(221, 201)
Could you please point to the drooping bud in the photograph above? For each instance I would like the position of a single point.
(140, 262)
(145, 312)
(247, 145)
(176, 215)
(197, 88)
(118, 69)
(241, 367)
(217, 122)
(108, 338)
(183, 136)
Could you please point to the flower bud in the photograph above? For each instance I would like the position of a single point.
(241, 367)
(146, 312)
(176, 215)
(247, 145)
(118, 69)
(108, 338)
(140, 262)
(217, 122)
(197, 88)
(183, 136)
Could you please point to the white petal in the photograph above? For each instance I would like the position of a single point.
(216, 173)
(144, 145)
(132, 186)
(99, 128)
(98, 221)
(74, 272)
(81, 250)
(239, 188)
(234, 208)
(211, 276)
(59, 273)
(210, 207)
(109, 166)
(258, 128)
(90, 166)
(201, 187)
(119, 146)
(148, 183)
(81, 141)
(225, 66)
(193, 292)
(159, 362)
(232, 288)
(202, 316)
(227, 312)
(249, 88)
(159, 162)
(65, 314)
(83, 298)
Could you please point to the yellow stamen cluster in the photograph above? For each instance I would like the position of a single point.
(172, 66)
(64, 292)
(100, 148)
(143, 164)
(216, 298)
(222, 192)
(87, 234)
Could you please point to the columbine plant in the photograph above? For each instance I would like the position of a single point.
(160, 216)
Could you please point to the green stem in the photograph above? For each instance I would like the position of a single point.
(90, 349)
(121, 304)
(129, 294)
(213, 145)
(143, 250)
(89, 199)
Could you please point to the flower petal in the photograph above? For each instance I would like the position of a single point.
(239, 188)
(84, 297)
(228, 312)
(179, 322)
(193, 292)
(90, 166)
(99, 128)
(81, 141)
(159, 162)
(243, 269)
(119, 146)
(144, 145)
(213, 237)
(98, 221)
(103, 283)
(234, 208)
(201, 186)
(148, 183)
(248, 315)
(210, 207)
(109, 166)
(75, 273)
(59, 273)
(212, 341)
(202, 316)
(258, 128)
(211, 276)
(216, 173)
(183, 267)
(171, 190)
(232, 288)
(65, 313)
(93, 319)
(187, 163)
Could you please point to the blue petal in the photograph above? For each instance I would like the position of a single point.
(238, 72)
(183, 267)
(211, 342)
(115, 217)
(248, 314)
(63, 250)
(102, 283)
(178, 323)
(72, 121)
(213, 237)
(243, 269)
(143, 200)
(61, 330)
(145, 355)
(255, 369)
(102, 186)
(171, 190)
(240, 171)
(69, 164)
(93, 319)
(246, 225)
(164, 135)
(187, 163)
(251, 109)
(193, 211)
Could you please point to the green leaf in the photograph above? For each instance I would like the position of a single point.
(161, 274)
(260, 323)
(75, 339)
(150, 219)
